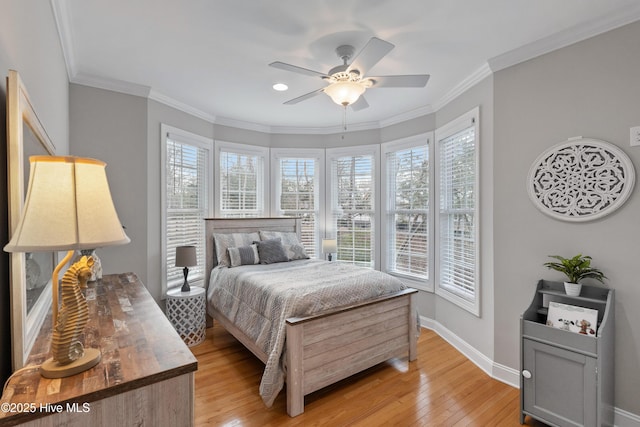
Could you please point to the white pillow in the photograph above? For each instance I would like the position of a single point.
(231, 240)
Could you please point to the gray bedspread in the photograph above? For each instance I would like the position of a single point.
(259, 298)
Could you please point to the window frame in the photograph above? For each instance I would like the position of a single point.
(319, 180)
(465, 121)
(426, 284)
(330, 225)
(250, 150)
(172, 133)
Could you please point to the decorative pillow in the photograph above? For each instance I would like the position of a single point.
(231, 240)
(271, 251)
(244, 255)
(295, 252)
(286, 237)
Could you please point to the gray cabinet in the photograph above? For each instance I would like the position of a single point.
(567, 378)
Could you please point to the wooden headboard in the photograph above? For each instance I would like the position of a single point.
(242, 225)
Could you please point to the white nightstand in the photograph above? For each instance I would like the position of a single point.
(186, 312)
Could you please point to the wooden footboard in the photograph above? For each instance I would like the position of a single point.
(329, 347)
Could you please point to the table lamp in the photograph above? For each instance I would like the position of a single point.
(68, 207)
(329, 246)
(186, 257)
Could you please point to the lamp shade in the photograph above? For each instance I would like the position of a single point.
(186, 256)
(68, 206)
(329, 246)
(344, 92)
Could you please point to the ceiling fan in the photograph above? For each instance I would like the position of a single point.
(347, 82)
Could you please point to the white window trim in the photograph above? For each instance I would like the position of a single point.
(400, 144)
(454, 126)
(306, 153)
(244, 149)
(356, 150)
(170, 132)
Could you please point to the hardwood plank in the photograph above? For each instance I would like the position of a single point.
(441, 387)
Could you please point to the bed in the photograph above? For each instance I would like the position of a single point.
(310, 351)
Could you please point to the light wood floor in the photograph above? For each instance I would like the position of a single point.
(441, 388)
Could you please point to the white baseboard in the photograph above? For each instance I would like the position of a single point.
(504, 373)
(623, 418)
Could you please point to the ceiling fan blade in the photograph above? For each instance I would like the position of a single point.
(360, 104)
(414, 80)
(296, 69)
(371, 53)
(304, 97)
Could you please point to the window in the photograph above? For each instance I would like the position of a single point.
(457, 221)
(353, 203)
(297, 184)
(406, 197)
(186, 200)
(242, 180)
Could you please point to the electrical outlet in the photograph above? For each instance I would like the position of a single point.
(635, 136)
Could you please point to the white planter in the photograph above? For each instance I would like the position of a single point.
(572, 289)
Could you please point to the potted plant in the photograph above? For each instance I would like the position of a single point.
(576, 269)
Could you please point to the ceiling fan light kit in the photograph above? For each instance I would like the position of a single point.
(345, 92)
(347, 83)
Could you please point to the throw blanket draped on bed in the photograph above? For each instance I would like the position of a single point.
(259, 298)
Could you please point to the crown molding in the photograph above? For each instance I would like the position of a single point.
(113, 85)
(622, 16)
(178, 105)
(409, 115)
(476, 77)
(62, 16)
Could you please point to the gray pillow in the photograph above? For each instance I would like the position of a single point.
(271, 251)
(244, 255)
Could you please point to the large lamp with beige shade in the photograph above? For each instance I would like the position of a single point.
(68, 207)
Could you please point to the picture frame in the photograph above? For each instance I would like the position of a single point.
(30, 274)
(580, 320)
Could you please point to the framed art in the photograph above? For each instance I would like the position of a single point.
(30, 274)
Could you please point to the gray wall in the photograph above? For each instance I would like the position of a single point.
(589, 89)
(112, 127)
(29, 44)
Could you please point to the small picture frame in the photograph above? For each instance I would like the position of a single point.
(572, 318)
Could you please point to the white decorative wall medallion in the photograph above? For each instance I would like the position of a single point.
(580, 180)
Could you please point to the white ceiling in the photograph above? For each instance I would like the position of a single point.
(210, 58)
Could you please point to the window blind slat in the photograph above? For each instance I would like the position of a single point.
(407, 210)
(186, 206)
(457, 241)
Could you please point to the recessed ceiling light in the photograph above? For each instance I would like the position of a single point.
(280, 87)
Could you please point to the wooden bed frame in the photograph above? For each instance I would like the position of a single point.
(327, 347)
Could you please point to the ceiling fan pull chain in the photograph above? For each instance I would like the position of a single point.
(344, 121)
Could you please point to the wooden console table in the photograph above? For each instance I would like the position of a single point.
(145, 377)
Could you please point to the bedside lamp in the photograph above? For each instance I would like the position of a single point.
(329, 246)
(68, 207)
(186, 257)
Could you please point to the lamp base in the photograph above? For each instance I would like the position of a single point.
(52, 369)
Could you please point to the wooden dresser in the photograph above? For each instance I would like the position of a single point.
(145, 377)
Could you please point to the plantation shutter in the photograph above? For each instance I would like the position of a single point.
(457, 238)
(299, 197)
(241, 186)
(353, 208)
(186, 206)
(407, 211)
